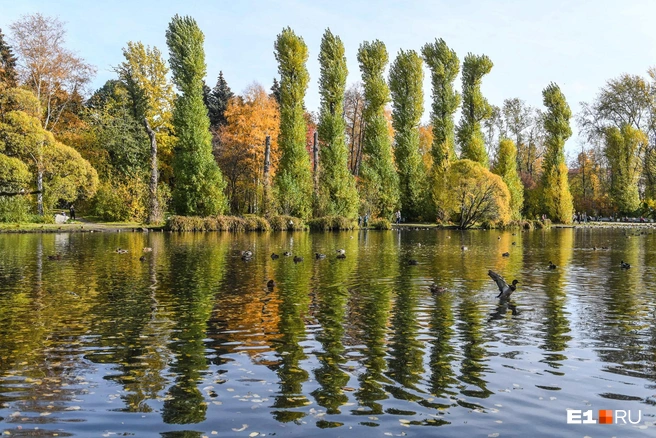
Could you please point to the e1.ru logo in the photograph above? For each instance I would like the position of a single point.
(605, 416)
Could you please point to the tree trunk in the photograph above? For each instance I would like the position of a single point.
(267, 166)
(315, 154)
(39, 189)
(154, 213)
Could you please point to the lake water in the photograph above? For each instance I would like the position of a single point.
(190, 342)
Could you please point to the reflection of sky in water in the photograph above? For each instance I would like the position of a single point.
(192, 340)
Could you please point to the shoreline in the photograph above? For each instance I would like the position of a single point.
(118, 227)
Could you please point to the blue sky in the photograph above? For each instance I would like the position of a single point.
(577, 44)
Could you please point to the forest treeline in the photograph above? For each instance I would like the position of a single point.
(156, 139)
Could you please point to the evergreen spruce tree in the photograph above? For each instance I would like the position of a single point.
(475, 109)
(198, 183)
(506, 168)
(216, 101)
(556, 198)
(445, 66)
(275, 90)
(8, 75)
(337, 192)
(406, 85)
(379, 182)
(293, 182)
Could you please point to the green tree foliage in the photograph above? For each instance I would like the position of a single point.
(556, 197)
(506, 167)
(621, 151)
(475, 109)
(379, 182)
(406, 82)
(445, 66)
(337, 192)
(473, 194)
(216, 101)
(144, 75)
(198, 185)
(293, 181)
(8, 74)
(59, 172)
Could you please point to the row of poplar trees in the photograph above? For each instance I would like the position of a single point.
(392, 175)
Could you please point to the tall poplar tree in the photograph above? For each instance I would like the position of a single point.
(475, 109)
(622, 152)
(506, 167)
(293, 182)
(337, 192)
(406, 85)
(379, 182)
(556, 197)
(445, 66)
(198, 183)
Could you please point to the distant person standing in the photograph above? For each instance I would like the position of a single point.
(398, 217)
(359, 221)
(366, 220)
(71, 210)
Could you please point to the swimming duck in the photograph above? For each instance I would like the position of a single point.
(341, 256)
(413, 262)
(624, 265)
(298, 259)
(514, 243)
(274, 256)
(246, 258)
(505, 254)
(463, 248)
(121, 251)
(498, 237)
(551, 265)
(319, 256)
(247, 253)
(505, 289)
(147, 249)
(287, 254)
(55, 257)
(142, 258)
(341, 251)
(435, 289)
(271, 284)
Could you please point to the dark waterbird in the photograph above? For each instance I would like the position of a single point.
(274, 256)
(298, 259)
(435, 289)
(551, 265)
(624, 265)
(142, 258)
(505, 289)
(413, 262)
(319, 256)
(271, 284)
(341, 256)
(287, 254)
(505, 254)
(57, 256)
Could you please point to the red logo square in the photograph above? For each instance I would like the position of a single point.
(605, 416)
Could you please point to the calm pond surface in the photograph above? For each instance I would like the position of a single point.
(190, 342)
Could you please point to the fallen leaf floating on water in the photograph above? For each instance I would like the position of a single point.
(252, 434)
(243, 428)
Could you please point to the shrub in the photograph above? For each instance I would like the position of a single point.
(286, 223)
(216, 223)
(381, 224)
(331, 223)
(124, 201)
(14, 209)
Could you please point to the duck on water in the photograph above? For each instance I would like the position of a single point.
(505, 289)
